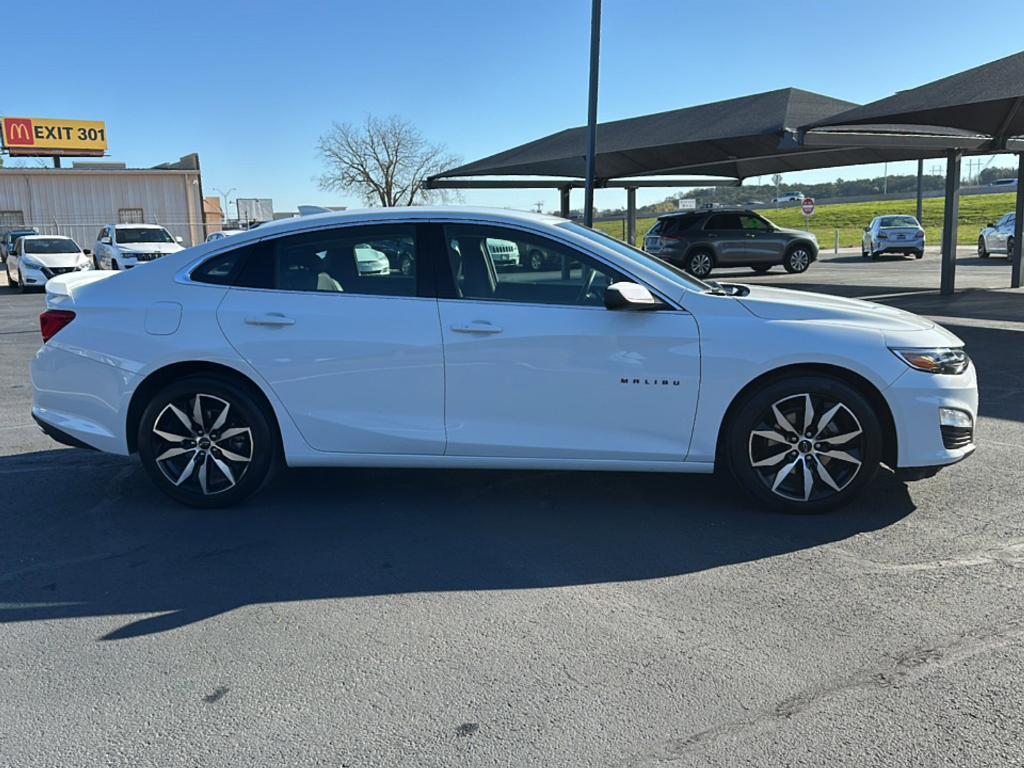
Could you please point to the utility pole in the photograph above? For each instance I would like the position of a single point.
(595, 57)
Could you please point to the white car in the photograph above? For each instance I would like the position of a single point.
(220, 363)
(222, 233)
(34, 259)
(789, 197)
(123, 246)
(997, 237)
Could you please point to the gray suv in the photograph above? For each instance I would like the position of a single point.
(700, 241)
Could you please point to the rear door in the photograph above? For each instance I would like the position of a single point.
(726, 231)
(355, 358)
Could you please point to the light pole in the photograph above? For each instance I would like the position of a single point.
(225, 196)
(595, 56)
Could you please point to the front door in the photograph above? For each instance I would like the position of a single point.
(536, 367)
(350, 345)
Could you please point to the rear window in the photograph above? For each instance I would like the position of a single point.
(676, 225)
(897, 221)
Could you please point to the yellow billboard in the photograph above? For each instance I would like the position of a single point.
(46, 136)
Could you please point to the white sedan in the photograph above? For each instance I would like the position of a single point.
(218, 364)
(34, 259)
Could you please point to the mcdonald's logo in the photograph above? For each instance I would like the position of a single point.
(18, 132)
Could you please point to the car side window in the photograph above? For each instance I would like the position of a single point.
(367, 261)
(753, 224)
(724, 221)
(495, 264)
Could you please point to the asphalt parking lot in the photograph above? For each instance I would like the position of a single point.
(392, 618)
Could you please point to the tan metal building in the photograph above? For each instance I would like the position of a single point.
(78, 201)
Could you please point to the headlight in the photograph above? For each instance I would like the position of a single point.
(950, 360)
(31, 263)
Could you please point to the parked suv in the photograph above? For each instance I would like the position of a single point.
(10, 238)
(997, 237)
(123, 246)
(700, 241)
(789, 197)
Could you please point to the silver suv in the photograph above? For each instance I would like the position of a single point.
(700, 241)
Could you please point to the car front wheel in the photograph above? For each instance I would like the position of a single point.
(982, 248)
(798, 259)
(207, 442)
(805, 444)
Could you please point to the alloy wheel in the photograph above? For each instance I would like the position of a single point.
(807, 447)
(700, 264)
(799, 260)
(202, 445)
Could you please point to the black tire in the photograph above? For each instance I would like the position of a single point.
(699, 262)
(918, 255)
(798, 258)
(535, 260)
(113, 265)
(762, 268)
(982, 249)
(407, 265)
(850, 464)
(863, 252)
(10, 278)
(256, 439)
(1009, 248)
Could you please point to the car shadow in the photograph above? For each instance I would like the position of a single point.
(104, 542)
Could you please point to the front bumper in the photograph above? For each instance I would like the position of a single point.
(915, 399)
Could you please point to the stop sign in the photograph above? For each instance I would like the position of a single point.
(808, 206)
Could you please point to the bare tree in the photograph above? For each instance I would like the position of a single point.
(385, 160)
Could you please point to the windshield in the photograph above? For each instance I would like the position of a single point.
(143, 235)
(51, 245)
(629, 251)
(897, 221)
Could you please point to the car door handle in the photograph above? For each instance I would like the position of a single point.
(271, 319)
(476, 326)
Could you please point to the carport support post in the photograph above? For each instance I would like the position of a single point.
(631, 215)
(564, 193)
(920, 192)
(1016, 277)
(951, 213)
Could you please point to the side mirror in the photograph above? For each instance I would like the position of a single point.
(87, 252)
(867, 229)
(990, 224)
(105, 240)
(179, 239)
(630, 296)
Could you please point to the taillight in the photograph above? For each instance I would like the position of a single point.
(52, 320)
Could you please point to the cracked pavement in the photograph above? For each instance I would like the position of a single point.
(412, 618)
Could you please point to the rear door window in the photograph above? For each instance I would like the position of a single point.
(726, 221)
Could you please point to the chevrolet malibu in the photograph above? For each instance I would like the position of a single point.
(221, 363)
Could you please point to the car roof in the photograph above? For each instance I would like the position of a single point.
(705, 212)
(46, 237)
(137, 226)
(426, 212)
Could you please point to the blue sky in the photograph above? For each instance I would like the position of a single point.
(250, 86)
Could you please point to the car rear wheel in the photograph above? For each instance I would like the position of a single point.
(207, 442)
(406, 265)
(10, 278)
(804, 444)
(982, 248)
(797, 260)
(700, 263)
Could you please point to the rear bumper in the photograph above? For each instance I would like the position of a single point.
(91, 413)
(60, 435)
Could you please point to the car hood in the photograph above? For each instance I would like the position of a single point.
(150, 247)
(782, 304)
(795, 232)
(57, 260)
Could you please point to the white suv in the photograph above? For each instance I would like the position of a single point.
(123, 246)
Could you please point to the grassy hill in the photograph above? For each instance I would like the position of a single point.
(851, 218)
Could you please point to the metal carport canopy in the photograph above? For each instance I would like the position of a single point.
(979, 110)
(736, 138)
